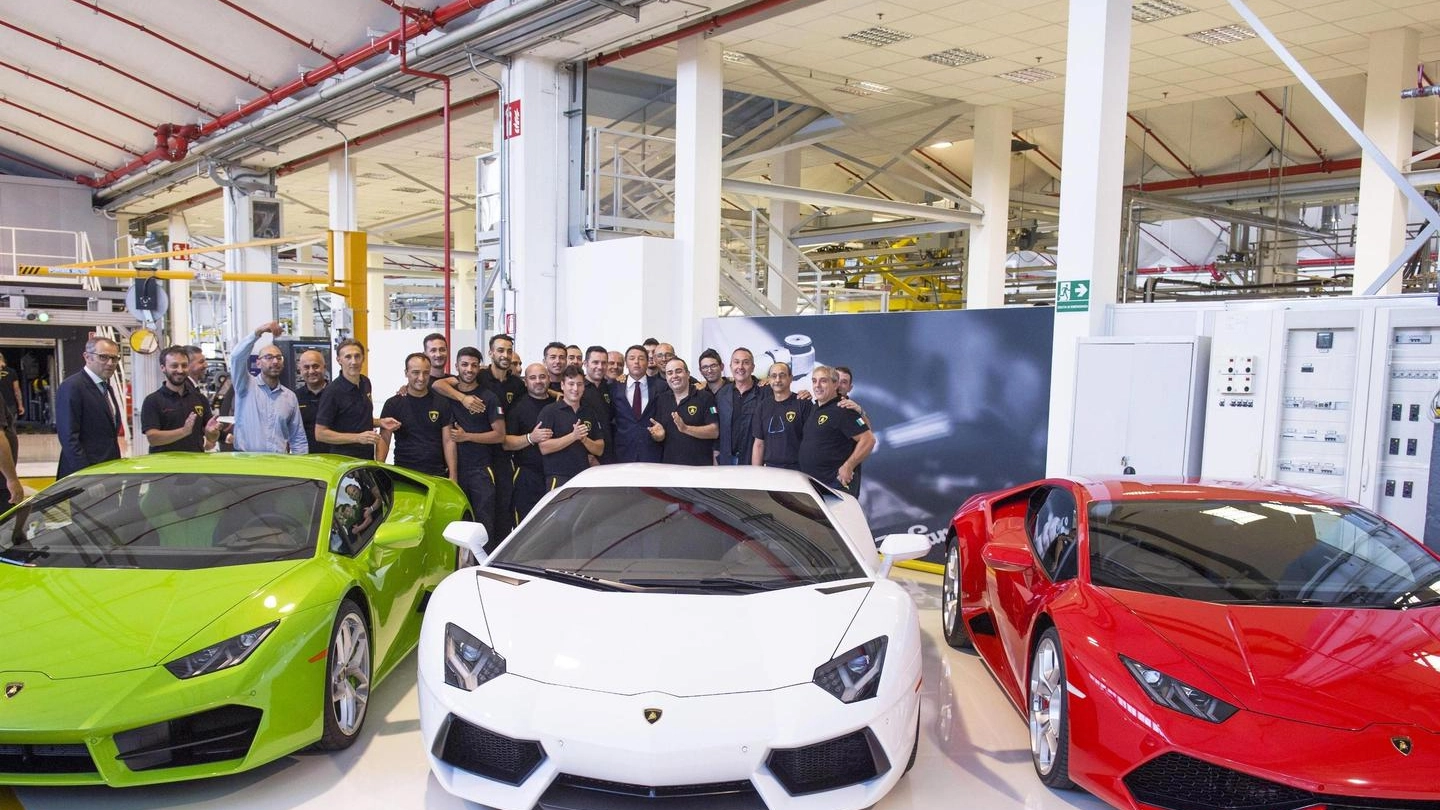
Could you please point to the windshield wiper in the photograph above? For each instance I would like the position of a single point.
(1298, 601)
(570, 577)
(720, 584)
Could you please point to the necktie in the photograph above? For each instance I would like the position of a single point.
(635, 398)
(110, 400)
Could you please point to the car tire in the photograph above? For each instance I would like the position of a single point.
(348, 672)
(952, 623)
(1048, 711)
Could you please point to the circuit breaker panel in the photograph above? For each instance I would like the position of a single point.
(1317, 408)
(1408, 385)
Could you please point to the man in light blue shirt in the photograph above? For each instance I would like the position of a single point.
(267, 414)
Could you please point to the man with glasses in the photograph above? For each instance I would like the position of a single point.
(779, 423)
(267, 414)
(88, 410)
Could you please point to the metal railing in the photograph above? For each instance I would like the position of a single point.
(44, 247)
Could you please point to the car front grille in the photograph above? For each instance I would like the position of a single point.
(211, 736)
(1177, 782)
(39, 759)
(848, 760)
(569, 792)
(483, 752)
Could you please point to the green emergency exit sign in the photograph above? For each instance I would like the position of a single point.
(1072, 296)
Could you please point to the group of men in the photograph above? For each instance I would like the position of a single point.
(504, 435)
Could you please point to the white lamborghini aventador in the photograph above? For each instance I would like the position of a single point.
(721, 637)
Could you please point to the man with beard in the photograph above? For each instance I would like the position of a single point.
(176, 416)
(835, 439)
(555, 364)
(597, 397)
(311, 366)
(422, 443)
(346, 419)
(736, 402)
(685, 421)
(779, 423)
(477, 438)
(267, 414)
(523, 436)
(574, 358)
(575, 433)
(437, 349)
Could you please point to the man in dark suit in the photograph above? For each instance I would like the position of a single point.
(634, 399)
(88, 411)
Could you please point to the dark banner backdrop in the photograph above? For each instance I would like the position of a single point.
(958, 399)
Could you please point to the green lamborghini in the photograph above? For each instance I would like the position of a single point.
(179, 615)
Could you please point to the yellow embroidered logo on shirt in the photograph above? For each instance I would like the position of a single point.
(823, 419)
(434, 416)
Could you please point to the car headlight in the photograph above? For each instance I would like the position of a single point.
(469, 661)
(854, 674)
(1178, 695)
(220, 656)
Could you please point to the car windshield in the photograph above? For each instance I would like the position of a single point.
(164, 521)
(1260, 553)
(682, 539)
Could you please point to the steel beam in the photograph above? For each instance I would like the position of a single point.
(836, 200)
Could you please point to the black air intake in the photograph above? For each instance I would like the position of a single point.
(848, 760)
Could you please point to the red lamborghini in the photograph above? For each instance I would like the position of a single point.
(1185, 645)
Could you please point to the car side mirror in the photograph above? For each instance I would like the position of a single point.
(1011, 559)
(897, 547)
(399, 535)
(469, 536)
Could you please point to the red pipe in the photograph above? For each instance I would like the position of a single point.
(310, 46)
(1326, 167)
(1150, 132)
(60, 46)
(29, 74)
(1285, 120)
(50, 146)
(95, 7)
(445, 203)
(423, 24)
(942, 167)
(60, 123)
(842, 167)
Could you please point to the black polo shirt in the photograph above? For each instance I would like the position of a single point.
(742, 417)
(520, 419)
(597, 399)
(696, 410)
(781, 425)
(473, 455)
(309, 407)
(829, 439)
(347, 408)
(561, 420)
(509, 390)
(420, 440)
(164, 409)
(7, 388)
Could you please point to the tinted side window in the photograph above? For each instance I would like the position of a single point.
(1051, 522)
(361, 504)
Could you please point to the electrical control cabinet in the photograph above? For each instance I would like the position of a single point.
(1139, 405)
(1320, 425)
(1240, 399)
(1405, 392)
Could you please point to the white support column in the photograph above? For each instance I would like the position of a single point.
(1389, 122)
(248, 303)
(178, 289)
(462, 280)
(784, 216)
(376, 303)
(985, 270)
(698, 112)
(1097, 81)
(342, 209)
(534, 131)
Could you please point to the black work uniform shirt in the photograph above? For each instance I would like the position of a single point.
(696, 410)
(509, 390)
(420, 439)
(829, 439)
(164, 409)
(309, 407)
(781, 425)
(347, 408)
(562, 419)
(474, 455)
(522, 418)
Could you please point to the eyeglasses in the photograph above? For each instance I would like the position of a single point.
(709, 367)
(105, 358)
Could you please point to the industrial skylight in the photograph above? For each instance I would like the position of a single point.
(878, 36)
(1029, 75)
(1148, 11)
(955, 57)
(1224, 35)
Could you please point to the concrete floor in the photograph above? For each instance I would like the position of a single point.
(974, 753)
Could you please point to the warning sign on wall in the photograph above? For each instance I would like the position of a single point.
(512, 119)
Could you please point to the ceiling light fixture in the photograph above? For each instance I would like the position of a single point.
(879, 36)
(1028, 75)
(734, 57)
(955, 57)
(941, 145)
(1148, 11)
(1224, 35)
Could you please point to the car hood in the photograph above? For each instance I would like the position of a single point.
(71, 623)
(679, 644)
(1337, 667)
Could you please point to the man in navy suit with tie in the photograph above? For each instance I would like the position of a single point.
(634, 399)
(88, 411)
